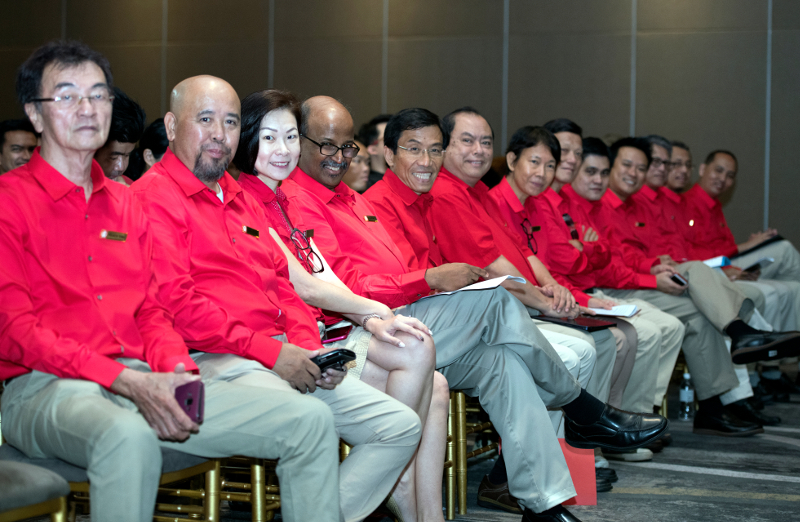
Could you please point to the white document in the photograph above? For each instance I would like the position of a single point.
(617, 311)
(717, 262)
(482, 285)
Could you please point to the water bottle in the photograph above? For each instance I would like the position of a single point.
(687, 399)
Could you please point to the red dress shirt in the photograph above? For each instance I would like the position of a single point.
(77, 284)
(675, 209)
(625, 220)
(615, 273)
(353, 240)
(549, 235)
(709, 234)
(660, 235)
(404, 215)
(224, 278)
(470, 228)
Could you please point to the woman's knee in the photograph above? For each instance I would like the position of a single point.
(440, 398)
(418, 354)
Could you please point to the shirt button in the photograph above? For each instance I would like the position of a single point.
(86, 216)
(99, 297)
(121, 348)
(90, 259)
(114, 332)
(78, 189)
(234, 240)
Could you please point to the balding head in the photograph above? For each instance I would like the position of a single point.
(325, 121)
(203, 126)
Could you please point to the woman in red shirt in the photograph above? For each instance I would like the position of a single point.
(269, 149)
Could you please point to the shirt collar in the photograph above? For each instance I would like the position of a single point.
(256, 187)
(189, 183)
(510, 196)
(56, 184)
(649, 193)
(553, 197)
(568, 193)
(407, 196)
(609, 198)
(703, 196)
(320, 190)
(480, 189)
(670, 195)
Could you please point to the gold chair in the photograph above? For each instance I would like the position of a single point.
(28, 491)
(255, 482)
(56, 508)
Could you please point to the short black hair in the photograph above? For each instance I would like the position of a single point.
(637, 143)
(15, 125)
(449, 122)
(127, 120)
(661, 141)
(563, 125)
(595, 147)
(368, 133)
(680, 145)
(713, 154)
(531, 136)
(408, 119)
(254, 108)
(154, 138)
(62, 53)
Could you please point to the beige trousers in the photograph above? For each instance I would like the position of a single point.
(248, 411)
(711, 304)
(787, 261)
(487, 346)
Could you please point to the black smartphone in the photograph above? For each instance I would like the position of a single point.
(678, 279)
(335, 359)
(191, 398)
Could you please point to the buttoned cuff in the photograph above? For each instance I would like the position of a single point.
(264, 349)
(101, 369)
(646, 281)
(415, 286)
(581, 298)
(647, 263)
(168, 364)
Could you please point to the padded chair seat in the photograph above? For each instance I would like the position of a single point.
(23, 485)
(172, 460)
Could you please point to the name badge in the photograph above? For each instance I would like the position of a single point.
(637, 224)
(536, 228)
(249, 231)
(113, 236)
(309, 233)
(371, 219)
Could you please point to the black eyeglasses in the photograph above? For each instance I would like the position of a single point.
(349, 150)
(573, 231)
(529, 230)
(306, 254)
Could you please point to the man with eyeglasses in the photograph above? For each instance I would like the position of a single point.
(679, 173)
(89, 356)
(485, 341)
(711, 307)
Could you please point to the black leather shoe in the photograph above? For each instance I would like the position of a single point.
(554, 514)
(666, 439)
(744, 410)
(784, 385)
(607, 474)
(764, 346)
(603, 486)
(498, 496)
(725, 426)
(767, 395)
(616, 429)
(656, 446)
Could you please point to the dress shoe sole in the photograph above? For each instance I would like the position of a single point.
(629, 457)
(604, 488)
(703, 431)
(489, 503)
(778, 349)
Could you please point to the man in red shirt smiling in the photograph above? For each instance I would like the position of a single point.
(486, 344)
(89, 356)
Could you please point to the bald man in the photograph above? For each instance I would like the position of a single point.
(486, 344)
(227, 283)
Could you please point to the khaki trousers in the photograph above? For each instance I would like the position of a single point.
(86, 425)
(487, 346)
(660, 337)
(787, 261)
(711, 304)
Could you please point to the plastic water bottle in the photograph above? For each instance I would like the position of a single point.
(686, 398)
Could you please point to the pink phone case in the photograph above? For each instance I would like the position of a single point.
(191, 398)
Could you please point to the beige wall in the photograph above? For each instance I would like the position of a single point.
(700, 66)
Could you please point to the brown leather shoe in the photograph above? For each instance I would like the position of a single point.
(497, 497)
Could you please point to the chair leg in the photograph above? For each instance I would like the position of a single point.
(212, 498)
(461, 451)
(450, 473)
(258, 491)
(61, 514)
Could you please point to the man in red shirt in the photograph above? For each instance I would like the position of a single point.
(485, 342)
(89, 356)
(714, 306)
(710, 235)
(127, 125)
(229, 290)
(679, 173)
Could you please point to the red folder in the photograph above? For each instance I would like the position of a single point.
(581, 469)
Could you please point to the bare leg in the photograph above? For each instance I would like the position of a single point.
(405, 374)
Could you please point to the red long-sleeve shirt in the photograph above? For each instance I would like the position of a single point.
(709, 234)
(661, 235)
(470, 228)
(76, 281)
(625, 220)
(351, 236)
(223, 277)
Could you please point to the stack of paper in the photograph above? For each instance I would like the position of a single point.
(617, 311)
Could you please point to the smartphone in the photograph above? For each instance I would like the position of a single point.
(337, 334)
(678, 279)
(191, 399)
(335, 359)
